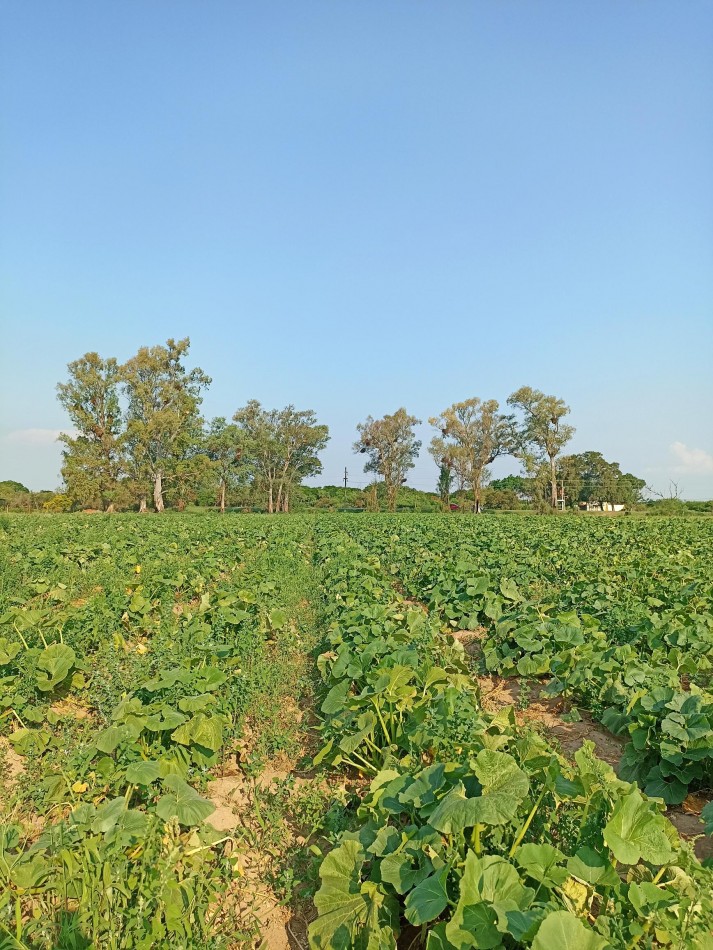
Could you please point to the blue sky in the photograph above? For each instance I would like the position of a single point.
(353, 206)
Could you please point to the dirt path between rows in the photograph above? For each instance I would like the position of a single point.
(253, 899)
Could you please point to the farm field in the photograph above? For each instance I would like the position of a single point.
(217, 732)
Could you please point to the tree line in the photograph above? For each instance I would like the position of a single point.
(139, 434)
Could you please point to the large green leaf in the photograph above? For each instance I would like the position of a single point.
(201, 730)
(636, 832)
(335, 700)
(455, 812)
(405, 870)
(561, 930)
(428, 899)
(504, 784)
(30, 741)
(489, 889)
(54, 665)
(499, 772)
(109, 739)
(8, 651)
(474, 925)
(183, 803)
(592, 868)
(108, 814)
(143, 773)
(542, 863)
(339, 901)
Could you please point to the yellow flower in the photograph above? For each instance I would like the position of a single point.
(142, 648)
(137, 569)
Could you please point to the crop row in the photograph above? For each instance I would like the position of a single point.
(629, 634)
(473, 832)
(128, 663)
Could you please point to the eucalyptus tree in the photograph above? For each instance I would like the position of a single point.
(472, 435)
(391, 447)
(222, 445)
(163, 423)
(92, 465)
(542, 434)
(281, 447)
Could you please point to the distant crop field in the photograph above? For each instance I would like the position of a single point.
(355, 730)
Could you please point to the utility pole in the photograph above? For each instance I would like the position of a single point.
(345, 484)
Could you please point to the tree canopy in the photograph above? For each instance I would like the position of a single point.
(92, 464)
(281, 447)
(588, 477)
(542, 434)
(391, 447)
(472, 435)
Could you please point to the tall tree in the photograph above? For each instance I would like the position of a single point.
(542, 433)
(589, 477)
(282, 447)
(223, 448)
(445, 481)
(163, 421)
(392, 448)
(473, 434)
(92, 460)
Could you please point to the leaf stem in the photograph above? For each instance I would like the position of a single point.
(528, 822)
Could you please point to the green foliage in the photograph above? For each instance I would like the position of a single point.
(588, 477)
(281, 447)
(391, 448)
(8, 487)
(472, 434)
(131, 654)
(466, 837)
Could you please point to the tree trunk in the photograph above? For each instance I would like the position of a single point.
(270, 507)
(142, 505)
(391, 496)
(110, 508)
(476, 497)
(278, 506)
(553, 481)
(222, 496)
(286, 503)
(158, 492)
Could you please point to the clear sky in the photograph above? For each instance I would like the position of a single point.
(354, 205)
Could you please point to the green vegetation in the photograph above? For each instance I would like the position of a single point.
(141, 660)
(130, 663)
(138, 434)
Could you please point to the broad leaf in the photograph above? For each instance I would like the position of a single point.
(54, 665)
(201, 730)
(428, 899)
(183, 803)
(339, 901)
(489, 889)
(635, 832)
(143, 773)
(563, 931)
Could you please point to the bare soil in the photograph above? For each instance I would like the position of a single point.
(12, 765)
(278, 927)
(545, 714)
